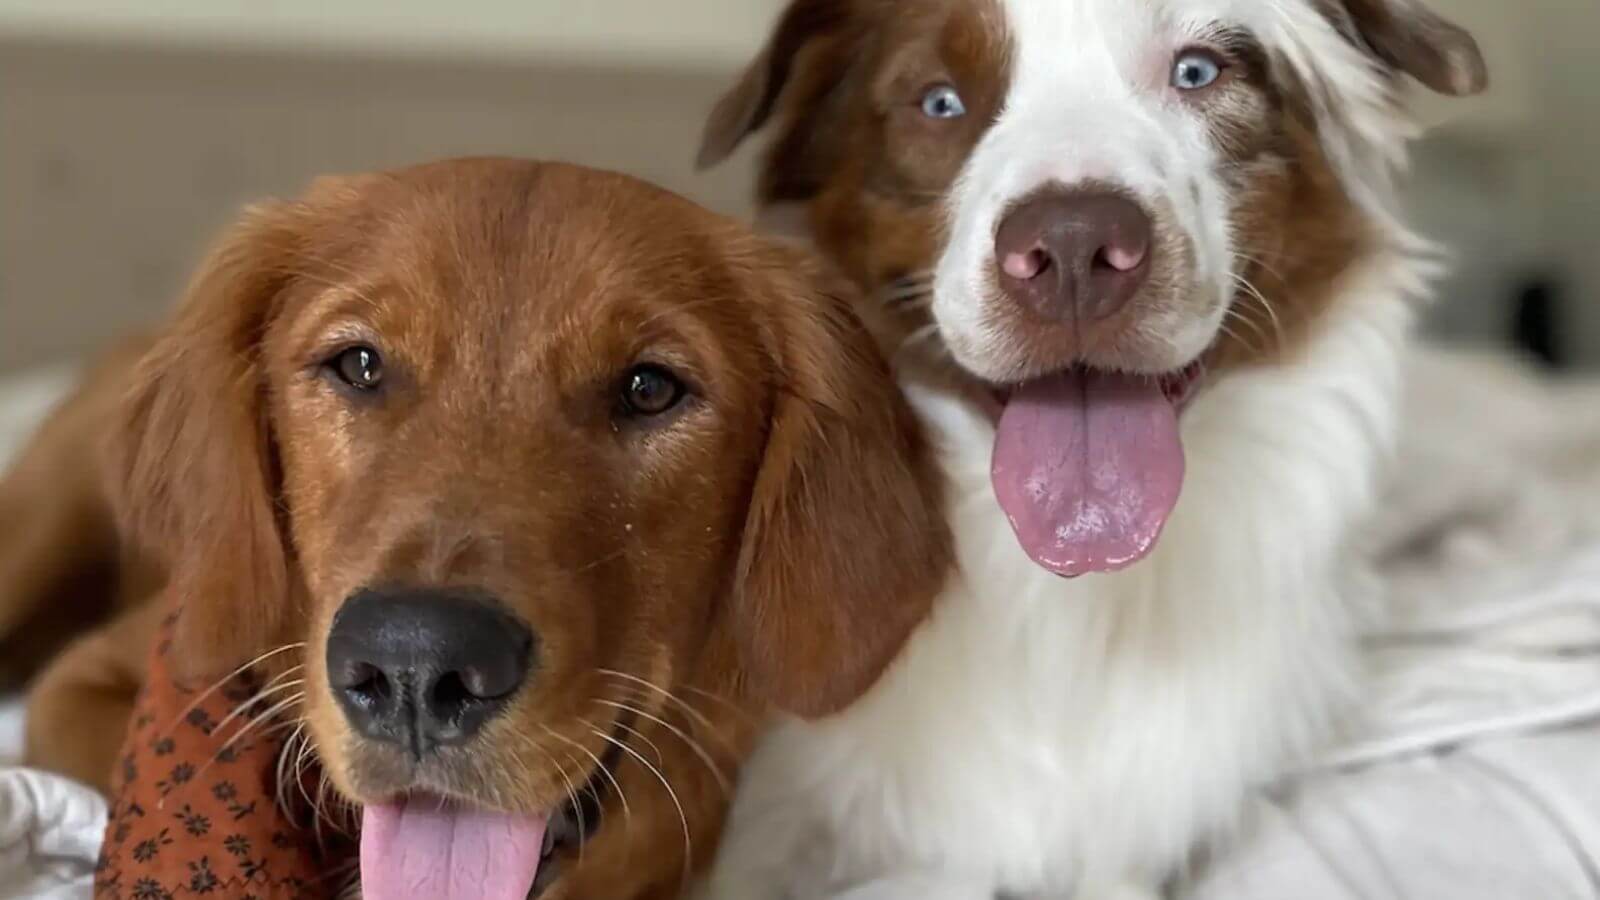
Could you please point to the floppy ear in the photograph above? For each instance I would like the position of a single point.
(821, 25)
(846, 542)
(1417, 41)
(191, 460)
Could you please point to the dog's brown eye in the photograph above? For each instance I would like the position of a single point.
(360, 367)
(650, 391)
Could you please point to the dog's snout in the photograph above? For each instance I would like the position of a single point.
(1072, 254)
(425, 668)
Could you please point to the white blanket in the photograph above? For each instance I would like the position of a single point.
(50, 831)
(1477, 775)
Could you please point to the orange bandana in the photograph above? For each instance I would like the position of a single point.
(194, 805)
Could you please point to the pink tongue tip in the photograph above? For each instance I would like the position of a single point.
(425, 847)
(1088, 467)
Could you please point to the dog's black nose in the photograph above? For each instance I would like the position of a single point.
(424, 668)
(1074, 255)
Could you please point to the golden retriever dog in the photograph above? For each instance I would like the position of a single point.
(505, 463)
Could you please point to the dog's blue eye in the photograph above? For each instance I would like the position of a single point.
(1195, 70)
(942, 102)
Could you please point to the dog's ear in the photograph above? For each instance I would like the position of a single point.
(191, 461)
(1415, 40)
(846, 542)
(810, 54)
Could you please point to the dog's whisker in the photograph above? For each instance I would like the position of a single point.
(609, 557)
(316, 812)
(727, 704)
(1229, 332)
(250, 726)
(292, 748)
(572, 793)
(257, 698)
(1254, 293)
(304, 758)
(683, 818)
(627, 813)
(661, 758)
(319, 809)
(286, 673)
(219, 683)
(1235, 314)
(1258, 261)
(694, 745)
(1259, 345)
(687, 707)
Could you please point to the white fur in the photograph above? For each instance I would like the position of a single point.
(1050, 738)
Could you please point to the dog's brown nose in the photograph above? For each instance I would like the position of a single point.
(1074, 255)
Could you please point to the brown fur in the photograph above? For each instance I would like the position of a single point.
(832, 85)
(773, 541)
(840, 83)
(60, 559)
(64, 572)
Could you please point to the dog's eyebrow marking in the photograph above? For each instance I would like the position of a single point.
(1243, 46)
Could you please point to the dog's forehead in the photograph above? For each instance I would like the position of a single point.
(1112, 20)
(498, 220)
(508, 241)
(1101, 33)
(517, 274)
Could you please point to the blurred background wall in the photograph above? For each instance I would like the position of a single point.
(131, 130)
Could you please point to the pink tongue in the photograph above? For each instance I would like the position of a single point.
(1087, 467)
(424, 848)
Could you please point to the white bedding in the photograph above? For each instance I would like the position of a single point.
(1477, 774)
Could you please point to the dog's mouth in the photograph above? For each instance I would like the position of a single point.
(1088, 464)
(423, 844)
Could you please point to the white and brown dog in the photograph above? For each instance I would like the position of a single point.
(1144, 263)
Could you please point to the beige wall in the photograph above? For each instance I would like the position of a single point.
(650, 32)
(118, 165)
(1566, 144)
(130, 130)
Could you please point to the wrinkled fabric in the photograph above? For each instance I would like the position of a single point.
(50, 831)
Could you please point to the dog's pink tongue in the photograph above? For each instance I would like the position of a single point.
(440, 851)
(1087, 467)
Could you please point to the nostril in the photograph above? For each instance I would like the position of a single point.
(368, 685)
(451, 692)
(1025, 266)
(1120, 258)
